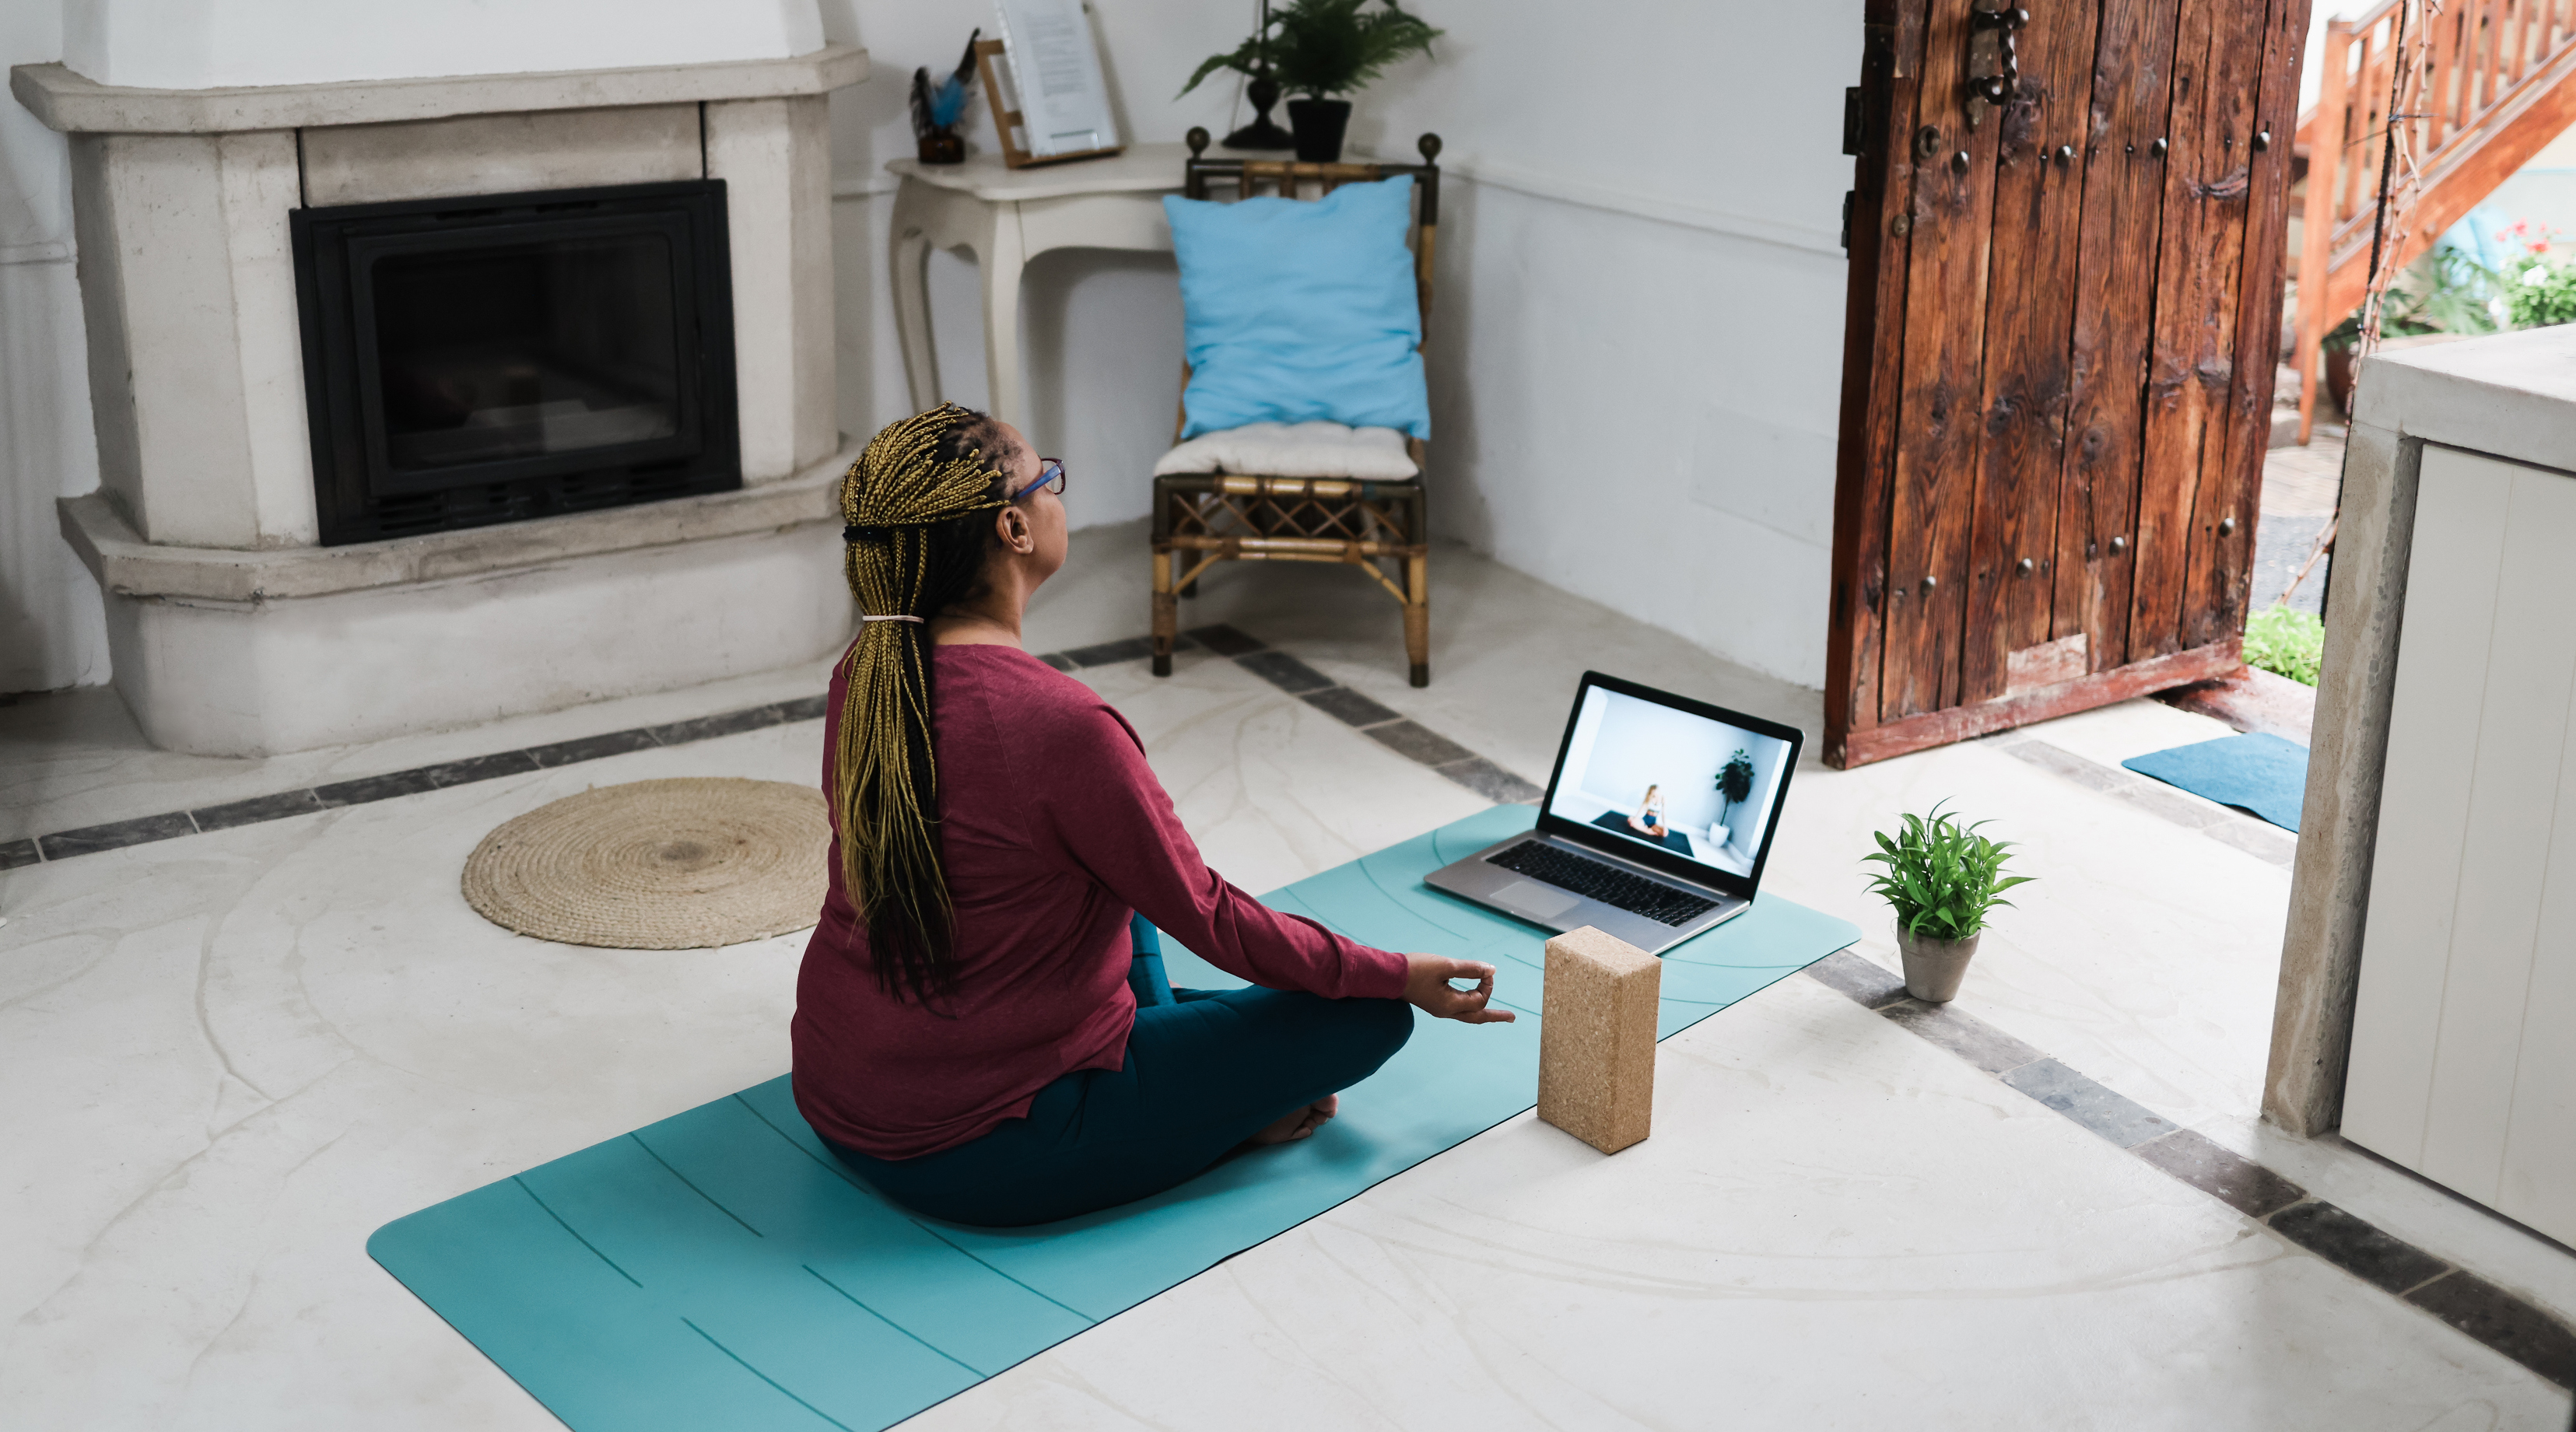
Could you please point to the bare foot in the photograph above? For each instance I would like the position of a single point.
(1297, 1123)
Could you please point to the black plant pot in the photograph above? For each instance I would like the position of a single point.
(1319, 125)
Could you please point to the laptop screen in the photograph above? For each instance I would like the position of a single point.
(1674, 780)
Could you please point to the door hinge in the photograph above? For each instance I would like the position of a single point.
(1855, 121)
(1850, 197)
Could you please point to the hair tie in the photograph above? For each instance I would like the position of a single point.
(853, 533)
(892, 619)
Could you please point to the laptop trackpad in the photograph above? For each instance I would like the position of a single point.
(1539, 902)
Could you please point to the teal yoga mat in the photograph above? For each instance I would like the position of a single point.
(721, 1269)
(2257, 772)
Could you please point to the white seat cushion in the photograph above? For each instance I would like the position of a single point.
(1294, 450)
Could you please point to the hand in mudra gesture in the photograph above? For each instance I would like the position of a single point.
(1427, 987)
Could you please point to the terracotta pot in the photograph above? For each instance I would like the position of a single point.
(1934, 968)
(2339, 379)
(1319, 124)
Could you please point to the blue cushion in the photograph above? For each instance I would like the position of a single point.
(1301, 311)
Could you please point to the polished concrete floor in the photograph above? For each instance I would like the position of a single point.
(230, 1056)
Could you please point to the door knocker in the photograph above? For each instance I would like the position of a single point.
(1994, 65)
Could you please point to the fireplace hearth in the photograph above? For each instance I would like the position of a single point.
(426, 402)
(494, 358)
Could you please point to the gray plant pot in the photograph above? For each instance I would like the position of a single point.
(1934, 968)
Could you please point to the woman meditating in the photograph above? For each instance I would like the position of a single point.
(966, 1036)
(1649, 818)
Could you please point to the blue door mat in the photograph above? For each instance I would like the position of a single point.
(2259, 773)
(721, 1269)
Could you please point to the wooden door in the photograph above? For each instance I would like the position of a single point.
(2063, 322)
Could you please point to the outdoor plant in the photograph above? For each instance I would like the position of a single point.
(2542, 295)
(1942, 876)
(2446, 291)
(1320, 48)
(2286, 642)
(1734, 781)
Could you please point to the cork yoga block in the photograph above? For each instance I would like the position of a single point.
(1596, 1038)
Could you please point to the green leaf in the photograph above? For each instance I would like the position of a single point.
(1941, 874)
(1244, 60)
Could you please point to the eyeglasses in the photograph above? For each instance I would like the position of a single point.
(1050, 477)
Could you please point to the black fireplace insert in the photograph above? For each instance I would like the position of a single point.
(490, 359)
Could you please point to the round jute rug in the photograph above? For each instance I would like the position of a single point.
(658, 865)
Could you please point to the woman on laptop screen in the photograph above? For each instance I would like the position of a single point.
(1649, 819)
(976, 1033)
(1619, 741)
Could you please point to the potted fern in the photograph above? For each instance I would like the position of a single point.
(1942, 877)
(1318, 49)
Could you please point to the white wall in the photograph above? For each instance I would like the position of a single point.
(206, 44)
(1635, 353)
(1636, 349)
(53, 631)
(1101, 331)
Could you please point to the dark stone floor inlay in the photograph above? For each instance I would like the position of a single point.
(1863, 980)
(1350, 707)
(257, 809)
(2222, 1173)
(368, 789)
(1490, 781)
(2115, 1116)
(590, 748)
(2357, 1246)
(1285, 672)
(1963, 1034)
(2503, 1321)
(1419, 742)
(115, 835)
(1224, 640)
(481, 768)
(707, 728)
(1110, 653)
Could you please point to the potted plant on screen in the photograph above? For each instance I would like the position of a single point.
(1734, 783)
(1318, 49)
(1942, 877)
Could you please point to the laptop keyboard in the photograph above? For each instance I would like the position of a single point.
(1602, 881)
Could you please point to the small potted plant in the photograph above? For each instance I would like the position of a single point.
(1318, 49)
(1734, 783)
(1942, 877)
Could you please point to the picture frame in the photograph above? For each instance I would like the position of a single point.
(1044, 80)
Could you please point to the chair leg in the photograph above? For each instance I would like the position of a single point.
(1167, 612)
(1417, 616)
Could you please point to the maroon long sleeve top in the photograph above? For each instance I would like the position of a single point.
(1053, 830)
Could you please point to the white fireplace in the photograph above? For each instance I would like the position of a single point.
(234, 629)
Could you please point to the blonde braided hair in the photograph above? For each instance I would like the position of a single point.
(913, 544)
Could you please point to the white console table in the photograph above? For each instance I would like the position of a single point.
(2429, 971)
(1005, 217)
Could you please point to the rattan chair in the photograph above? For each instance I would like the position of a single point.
(1382, 527)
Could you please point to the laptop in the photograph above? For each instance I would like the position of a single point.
(1656, 822)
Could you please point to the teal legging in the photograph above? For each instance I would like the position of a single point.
(1205, 1070)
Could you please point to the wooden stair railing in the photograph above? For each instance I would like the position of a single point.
(2499, 83)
